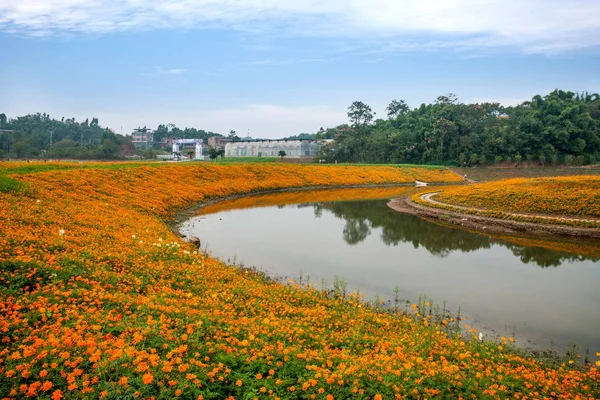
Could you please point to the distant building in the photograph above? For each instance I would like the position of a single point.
(142, 137)
(218, 142)
(271, 148)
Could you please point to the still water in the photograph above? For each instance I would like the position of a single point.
(543, 293)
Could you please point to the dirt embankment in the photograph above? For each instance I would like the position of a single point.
(491, 225)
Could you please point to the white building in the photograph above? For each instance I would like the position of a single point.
(271, 148)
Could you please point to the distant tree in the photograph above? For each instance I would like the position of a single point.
(396, 108)
(282, 154)
(148, 153)
(448, 99)
(221, 152)
(190, 154)
(360, 114)
(213, 153)
(233, 136)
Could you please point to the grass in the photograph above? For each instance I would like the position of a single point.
(8, 184)
(232, 160)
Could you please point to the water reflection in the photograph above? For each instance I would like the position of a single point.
(361, 218)
(375, 248)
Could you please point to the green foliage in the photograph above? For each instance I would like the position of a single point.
(170, 130)
(282, 154)
(148, 154)
(8, 185)
(39, 136)
(560, 128)
(239, 160)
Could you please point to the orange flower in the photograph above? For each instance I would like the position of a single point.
(147, 378)
(57, 395)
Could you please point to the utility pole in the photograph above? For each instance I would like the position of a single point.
(51, 136)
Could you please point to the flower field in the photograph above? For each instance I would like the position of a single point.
(100, 299)
(568, 196)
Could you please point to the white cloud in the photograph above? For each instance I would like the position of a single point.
(537, 26)
(172, 71)
(158, 71)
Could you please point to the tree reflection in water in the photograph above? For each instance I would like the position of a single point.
(440, 240)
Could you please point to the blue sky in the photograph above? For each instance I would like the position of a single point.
(281, 67)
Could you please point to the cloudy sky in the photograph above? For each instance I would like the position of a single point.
(280, 67)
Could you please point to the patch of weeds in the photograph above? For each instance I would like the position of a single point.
(10, 185)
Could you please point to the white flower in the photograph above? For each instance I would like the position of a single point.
(61, 232)
(133, 236)
(141, 242)
(38, 201)
(160, 239)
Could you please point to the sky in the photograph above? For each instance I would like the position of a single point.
(275, 68)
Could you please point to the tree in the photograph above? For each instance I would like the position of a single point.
(282, 154)
(396, 108)
(232, 135)
(449, 99)
(190, 154)
(221, 152)
(213, 154)
(360, 114)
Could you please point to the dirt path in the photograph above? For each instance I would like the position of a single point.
(427, 197)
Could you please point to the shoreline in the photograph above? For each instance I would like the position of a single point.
(524, 346)
(492, 225)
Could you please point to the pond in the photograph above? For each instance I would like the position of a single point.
(544, 293)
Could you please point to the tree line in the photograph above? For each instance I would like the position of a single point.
(38, 135)
(560, 128)
(171, 131)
